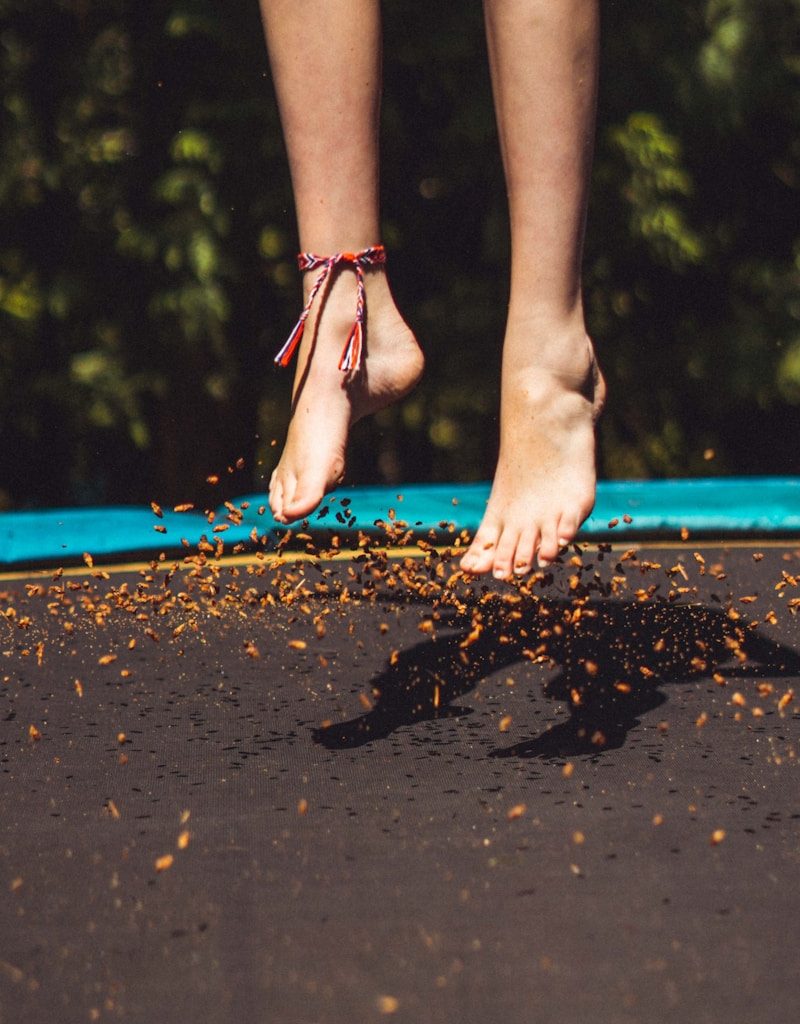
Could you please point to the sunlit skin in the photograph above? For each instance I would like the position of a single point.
(329, 97)
(543, 57)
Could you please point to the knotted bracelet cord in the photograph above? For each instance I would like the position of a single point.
(375, 256)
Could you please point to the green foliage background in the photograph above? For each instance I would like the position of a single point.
(147, 244)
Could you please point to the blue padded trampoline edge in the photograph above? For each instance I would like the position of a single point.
(723, 506)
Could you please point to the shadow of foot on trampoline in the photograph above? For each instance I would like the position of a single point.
(611, 666)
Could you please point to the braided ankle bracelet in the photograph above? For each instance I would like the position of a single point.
(375, 256)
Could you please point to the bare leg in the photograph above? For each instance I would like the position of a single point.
(543, 56)
(325, 61)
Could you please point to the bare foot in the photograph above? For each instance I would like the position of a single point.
(544, 486)
(327, 402)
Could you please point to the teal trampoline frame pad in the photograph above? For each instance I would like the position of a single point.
(710, 507)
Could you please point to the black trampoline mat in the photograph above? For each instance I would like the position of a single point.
(573, 803)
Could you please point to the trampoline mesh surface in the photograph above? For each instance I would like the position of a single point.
(387, 798)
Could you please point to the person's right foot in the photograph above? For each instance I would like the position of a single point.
(327, 402)
(544, 486)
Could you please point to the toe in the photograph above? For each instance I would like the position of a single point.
(548, 547)
(526, 548)
(276, 497)
(480, 555)
(567, 528)
(304, 500)
(504, 554)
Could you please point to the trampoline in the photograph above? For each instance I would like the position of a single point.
(329, 779)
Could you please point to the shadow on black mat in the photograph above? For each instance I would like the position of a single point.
(613, 661)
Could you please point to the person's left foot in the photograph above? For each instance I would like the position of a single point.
(544, 486)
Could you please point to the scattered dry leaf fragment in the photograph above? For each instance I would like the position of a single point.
(160, 529)
(567, 770)
(298, 645)
(33, 734)
(578, 838)
(185, 507)
(365, 702)
(658, 819)
(684, 533)
(164, 863)
(738, 699)
(717, 836)
(302, 806)
(113, 810)
(505, 723)
(183, 839)
(251, 650)
(106, 659)
(387, 1004)
(701, 720)
(78, 687)
(16, 883)
(515, 812)
(121, 737)
(88, 559)
(472, 636)
(185, 815)
(786, 700)
(157, 510)
(213, 479)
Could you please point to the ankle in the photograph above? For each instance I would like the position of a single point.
(341, 288)
(542, 317)
(534, 344)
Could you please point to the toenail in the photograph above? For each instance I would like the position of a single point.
(522, 568)
(563, 542)
(500, 574)
(544, 562)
